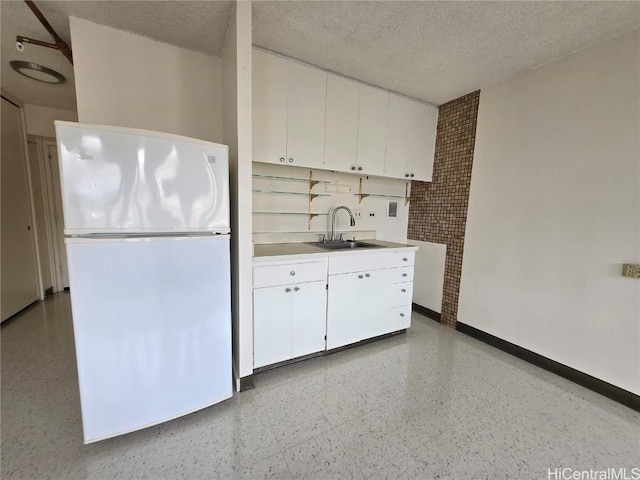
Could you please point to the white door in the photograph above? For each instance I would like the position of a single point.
(341, 138)
(372, 129)
(308, 318)
(306, 103)
(348, 309)
(40, 207)
(18, 272)
(269, 107)
(152, 327)
(59, 250)
(271, 325)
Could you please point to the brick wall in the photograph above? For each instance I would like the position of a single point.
(438, 211)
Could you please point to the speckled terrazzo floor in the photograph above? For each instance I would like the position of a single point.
(429, 404)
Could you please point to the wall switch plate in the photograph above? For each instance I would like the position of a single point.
(357, 213)
(372, 214)
(631, 270)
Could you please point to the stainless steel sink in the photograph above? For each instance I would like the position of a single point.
(344, 245)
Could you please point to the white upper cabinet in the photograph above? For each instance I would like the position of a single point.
(341, 138)
(306, 100)
(372, 130)
(305, 117)
(288, 111)
(411, 139)
(269, 91)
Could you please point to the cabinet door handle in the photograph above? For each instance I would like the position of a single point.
(402, 314)
(292, 273)
(406, 175)
(296, 289)
(291, 160)
(353, 168)
(282, 159)
(405, 259)
(287, 290)
(367, 275)
(412, 175)
(359, 168)
(404, 274)
(404, 290)
(360, 276)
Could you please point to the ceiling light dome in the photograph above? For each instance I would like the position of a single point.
(37, 72)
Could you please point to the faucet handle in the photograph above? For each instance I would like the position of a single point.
(341, 237)
(323, 238)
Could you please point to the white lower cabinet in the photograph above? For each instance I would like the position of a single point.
(369, 302)
(289, 311)
(308, 318)
(366, 296)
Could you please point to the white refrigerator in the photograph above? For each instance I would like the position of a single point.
(146, 219)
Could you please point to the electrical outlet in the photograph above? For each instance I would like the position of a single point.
(357, 213)
(631, 270)
(372, 214)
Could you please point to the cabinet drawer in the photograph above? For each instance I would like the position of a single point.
(398, 275)
(400, 294)
(400, 318)
(273, 275)
(374, 261)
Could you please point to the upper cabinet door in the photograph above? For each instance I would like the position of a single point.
(372, 131)
(306, 100)
(411, 140)
(341, 139)
(269, 90)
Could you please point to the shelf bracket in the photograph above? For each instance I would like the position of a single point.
(407, 198)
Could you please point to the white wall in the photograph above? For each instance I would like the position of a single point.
(127, 80)
(428, 274)
(554, 212)
(40, 119)
(236, 65)
(390, 229)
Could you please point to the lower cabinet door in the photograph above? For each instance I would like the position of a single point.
(271, 325)
(308, 318)
(348, 309)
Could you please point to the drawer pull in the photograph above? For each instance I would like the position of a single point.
(360, 276)
(367, 275)
(287, 290)
(404, 274)
(405, 259)
(292, 273)
(402, 314)
(404, 290)
(296, 289)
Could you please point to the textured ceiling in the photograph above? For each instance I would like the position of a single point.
(194, 25)
(435, 51)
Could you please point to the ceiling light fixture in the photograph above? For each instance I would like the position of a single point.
(37, 72)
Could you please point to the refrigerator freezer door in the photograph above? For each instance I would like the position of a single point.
(152, 325)
(117, 180)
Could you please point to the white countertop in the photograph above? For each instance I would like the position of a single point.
(284, 251)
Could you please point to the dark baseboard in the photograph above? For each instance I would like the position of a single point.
(427, 312)
(323, 353)
(608, 390)
(48, 291)
(246, 383)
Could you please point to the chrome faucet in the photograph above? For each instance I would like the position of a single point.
(333, 220)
